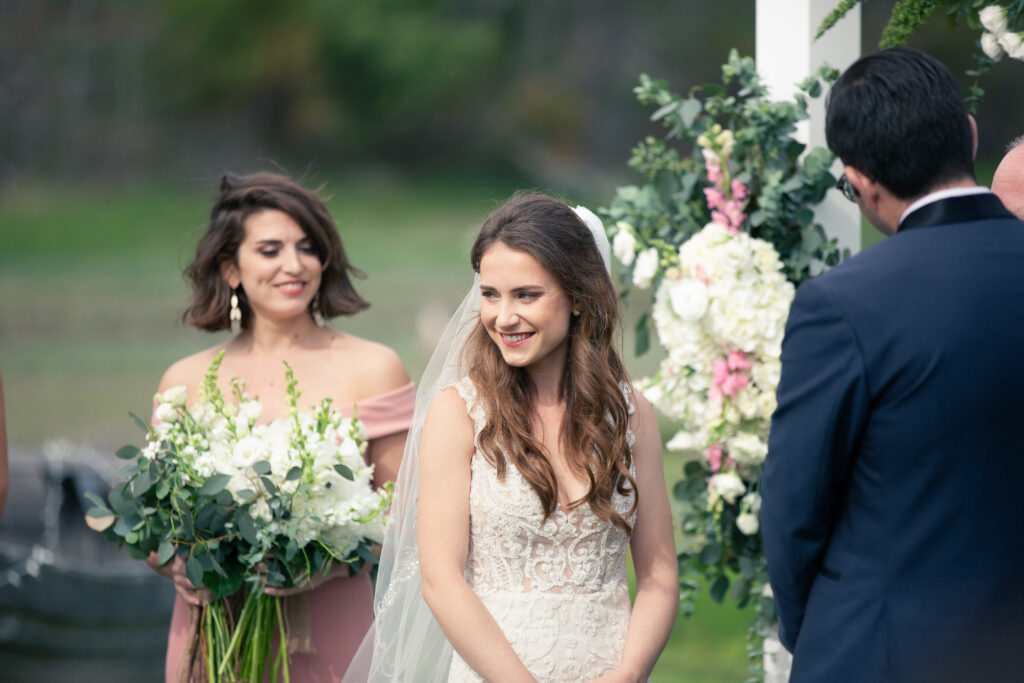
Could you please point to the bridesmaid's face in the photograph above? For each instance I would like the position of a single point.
(525, 311)
(276, 265)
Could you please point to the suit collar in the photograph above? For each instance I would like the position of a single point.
(961, 209)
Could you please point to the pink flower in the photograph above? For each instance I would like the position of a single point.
(715, 175)
(734, 212)
(702, 274)
(714, 455)
(715, 197)
(733, 383)
(720, 371)
(723, 220)
(739, 190)
(738, 361)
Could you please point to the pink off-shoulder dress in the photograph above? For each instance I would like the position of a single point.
(340, 610)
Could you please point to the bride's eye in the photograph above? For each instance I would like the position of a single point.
(269, 253)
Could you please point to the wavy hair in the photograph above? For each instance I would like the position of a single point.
(593, 431)
(239, 198)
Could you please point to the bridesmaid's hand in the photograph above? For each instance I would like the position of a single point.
(175, 570)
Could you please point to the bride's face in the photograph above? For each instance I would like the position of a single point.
(525, 311)
(276, 265)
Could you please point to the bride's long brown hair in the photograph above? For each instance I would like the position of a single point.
(593, 431)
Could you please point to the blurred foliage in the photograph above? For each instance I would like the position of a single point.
(356, 72)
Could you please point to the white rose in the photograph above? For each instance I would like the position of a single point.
(993, 18)
(752, 502)
(166, 412)
(990, 46)
(624, 244)
(682, 441)
(747, 523)
(748, 449)
(250, 411)
(728, 486)
(689, 299)
(175, 395)
(646, 268)
(1011, 42)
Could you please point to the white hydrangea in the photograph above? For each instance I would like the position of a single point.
(646, 268)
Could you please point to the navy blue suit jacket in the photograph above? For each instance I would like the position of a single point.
(893, 490)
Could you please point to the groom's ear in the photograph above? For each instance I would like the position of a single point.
(866, 188)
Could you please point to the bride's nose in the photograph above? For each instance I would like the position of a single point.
(507, 316)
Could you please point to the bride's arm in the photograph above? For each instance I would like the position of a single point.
(654, 556)
(446, 449)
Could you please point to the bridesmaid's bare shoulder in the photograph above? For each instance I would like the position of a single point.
(377, 367)
(189, 370)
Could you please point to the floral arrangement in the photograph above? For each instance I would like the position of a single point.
(248, 506)
(1002, 29)
(722, 231)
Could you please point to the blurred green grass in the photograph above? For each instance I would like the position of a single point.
(91, 292)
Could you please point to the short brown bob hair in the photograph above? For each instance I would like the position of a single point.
(239, 198)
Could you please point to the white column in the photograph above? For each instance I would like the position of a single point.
(786, 54)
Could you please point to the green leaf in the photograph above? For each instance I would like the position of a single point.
(642, 336)
(719, 587)
(268, 485)
(165, 552)
(131, 538)
(194, 571)
(121, 501)
(214, 484)
(162, 489)
(365, 553)
(121, 527)
(689, 111)
(740, 590)
(245, 495)
(261, 467)
(141, 483)
(98, 511)
(693, 468)
(296, 472)
(140, 423)
(747, 569)
(246, 527)
(711, 554)
(345, 471)
(96, 500)
(664, 111)
(127, 452)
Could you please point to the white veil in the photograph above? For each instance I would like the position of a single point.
(405, 643)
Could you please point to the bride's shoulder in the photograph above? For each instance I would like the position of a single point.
(189, 370)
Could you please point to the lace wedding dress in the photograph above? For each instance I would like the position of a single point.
(556, 587)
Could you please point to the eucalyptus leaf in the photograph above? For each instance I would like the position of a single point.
(261, 467)
(127, 452)
(642, 336)
(711, 555)
(194, 571)
(139, 422)
(664, 111)
(246, 527)
(165, 552)
(268, 485)
(295, 472)
(345, 471)
(214, 484)
(718, 588)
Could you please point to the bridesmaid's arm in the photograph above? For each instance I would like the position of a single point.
(446, 449)
(654, 556)
(385, 453)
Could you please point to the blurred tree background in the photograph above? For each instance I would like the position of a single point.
(415, 116)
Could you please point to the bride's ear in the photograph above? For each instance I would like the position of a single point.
(229, 271)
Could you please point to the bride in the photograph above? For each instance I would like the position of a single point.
(538, 467)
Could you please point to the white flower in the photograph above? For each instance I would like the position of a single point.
(1012, 43)
(993, 18)
(727, 486)
(250, 411)
(990, 46)
(682, 441)
(689, 299)
(166, 412)
(752, 502)
(175, 395)
(748, 449)
(624, 244)
(747, 523)
(646, 268)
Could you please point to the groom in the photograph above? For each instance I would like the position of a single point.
(893, 490)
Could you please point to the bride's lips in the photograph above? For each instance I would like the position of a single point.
(292, 287)
(516, 339)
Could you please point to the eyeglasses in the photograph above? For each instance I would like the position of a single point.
(848, 190)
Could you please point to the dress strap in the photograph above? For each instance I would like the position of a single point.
(474, 407)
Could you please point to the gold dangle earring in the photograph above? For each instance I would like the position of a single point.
(235, 315)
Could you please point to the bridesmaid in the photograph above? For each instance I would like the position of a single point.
(271, 265)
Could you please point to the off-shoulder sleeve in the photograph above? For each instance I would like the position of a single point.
(388, 413)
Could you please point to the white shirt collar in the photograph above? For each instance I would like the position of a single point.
(943, 194)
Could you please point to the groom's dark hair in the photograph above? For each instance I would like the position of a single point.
(898, 117)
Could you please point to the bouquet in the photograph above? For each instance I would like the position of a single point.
(247, 506)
